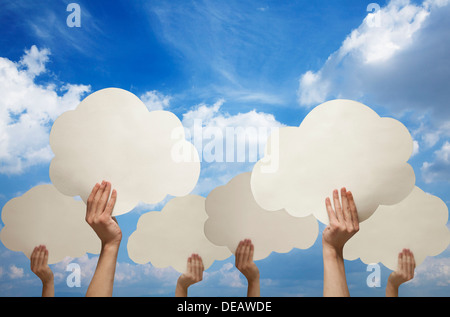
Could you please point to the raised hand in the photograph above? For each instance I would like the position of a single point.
(98, 214)
(193, 274)
(39, 266)
(343, 225)
(404, 272)
(244, 263)
(343, 218)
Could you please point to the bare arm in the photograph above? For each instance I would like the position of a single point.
(193, 274)
(244, 263)
(39, 266)
(98, 216)
(343, 225)
(405, 272)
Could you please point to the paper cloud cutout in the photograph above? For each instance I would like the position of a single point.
(340, 143)
(168, 237)
(234, 215)
(45, 216)
(112, 136)
(417, 223)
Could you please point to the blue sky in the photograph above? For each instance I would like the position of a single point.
(264, 62)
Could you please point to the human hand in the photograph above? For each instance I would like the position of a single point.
(193, 274)
(98, 214)
(344, 221)
(404, 272)
(244, 260)
(39, 266)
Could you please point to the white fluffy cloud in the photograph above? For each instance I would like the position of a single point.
(222, 137)
(234, 215)
(154, 100)
(45, 216)
(15, 272)
(433, 271)
(418, 223)
(228, 144)
(168, 237)
(340, 143)
(397, 59)
(439, 169)
(112, 136)
(27, 110)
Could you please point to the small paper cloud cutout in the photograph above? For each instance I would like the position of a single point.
(45, 216)
(234, 215)
(112, 136)
(417, 223)
(340, 143)
(168, 237)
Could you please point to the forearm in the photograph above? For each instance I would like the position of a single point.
(48, 289)
(103, 280)
(180, 290)
(253, 289)
(391, 291)
(334, 280)
(391, 288)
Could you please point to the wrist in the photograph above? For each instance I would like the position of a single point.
(331, 251)
(181, 289)
(392, 282)
(111, 245)
(47, 281)
(391, 289)
(252, 279)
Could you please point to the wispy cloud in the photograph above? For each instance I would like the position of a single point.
(48, 25)
(227, 46)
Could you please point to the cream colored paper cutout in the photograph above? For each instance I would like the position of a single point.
(417, 223)
(340, 143)
(112, 136)
(234, 215)
(168, 237)
(45, 216)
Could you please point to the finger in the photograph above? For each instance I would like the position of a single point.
(40, 257)
(45, 261)
(104, 197)
(409, 263)
(246, 251)
(194, 265)
(353, 210)
(238, 253)
(189, 264)
(96, 200)
(404, 267)
(112, 201)
(91, 198)
(399, 262)
(346, 209)
(337, 206)
(33, 257)
(202, 267)
(330, 211)
(199, 265)
(252, 251)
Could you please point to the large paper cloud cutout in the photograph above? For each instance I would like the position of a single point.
(417, 223)
(112, 136)
(340, 143)
(45, 216)
(168, 237)
(234, 215)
